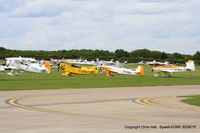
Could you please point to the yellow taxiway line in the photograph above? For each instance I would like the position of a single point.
(14, 102)
(148, 101)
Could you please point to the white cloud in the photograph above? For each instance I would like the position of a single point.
(172, 26)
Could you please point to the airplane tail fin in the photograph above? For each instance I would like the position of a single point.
(190, 65)
(166, 63)
(117, 64)
(98, 63)
(47, 65)
(140, 70)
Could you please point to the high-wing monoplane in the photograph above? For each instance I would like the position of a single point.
(28, 64)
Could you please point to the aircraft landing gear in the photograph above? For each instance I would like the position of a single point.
(66, 74)
(109, 75)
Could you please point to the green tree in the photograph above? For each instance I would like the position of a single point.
(145, 53)
(119, 53)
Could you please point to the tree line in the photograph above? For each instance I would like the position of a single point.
(119, 54)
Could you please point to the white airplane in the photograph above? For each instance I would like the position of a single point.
(190, 66)
(155, 63)
(141, 63)
(79, 61)
(27, 64)
(107, 63)
(138, 71)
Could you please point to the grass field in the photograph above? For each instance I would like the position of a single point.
(194, 100)
(54, 80)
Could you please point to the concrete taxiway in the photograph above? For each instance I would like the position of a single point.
(107, 110)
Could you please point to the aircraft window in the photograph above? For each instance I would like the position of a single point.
(25, 62)
(33, 61)
(169, 65)
(110, 64)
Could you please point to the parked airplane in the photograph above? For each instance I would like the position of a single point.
(79, 61)
(107, 63)
(27, 64)
(190, 66)
(71, 68)
(139, 70)
(155, 63)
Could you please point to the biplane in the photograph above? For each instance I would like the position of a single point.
(71, 68)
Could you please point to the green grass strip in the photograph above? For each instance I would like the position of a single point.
(193, 100)
(54, 80)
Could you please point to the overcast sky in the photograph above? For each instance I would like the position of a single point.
(164, 25)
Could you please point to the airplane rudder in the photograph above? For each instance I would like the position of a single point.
(47, 65)
(190, 65)
(141, 70)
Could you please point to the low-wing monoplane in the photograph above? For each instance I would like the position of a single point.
(190, 66)
(138, 71)
(73, 68)
(120, 70)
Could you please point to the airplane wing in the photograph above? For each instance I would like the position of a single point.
(165, 71)
(9, 67)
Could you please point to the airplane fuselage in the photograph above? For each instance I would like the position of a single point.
(78, 70)
(169, 69)
(119, 70)
(37, 68)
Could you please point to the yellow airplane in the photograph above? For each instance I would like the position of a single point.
(190, 66)
(73, 68)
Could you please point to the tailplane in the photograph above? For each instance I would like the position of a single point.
(190, 65)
